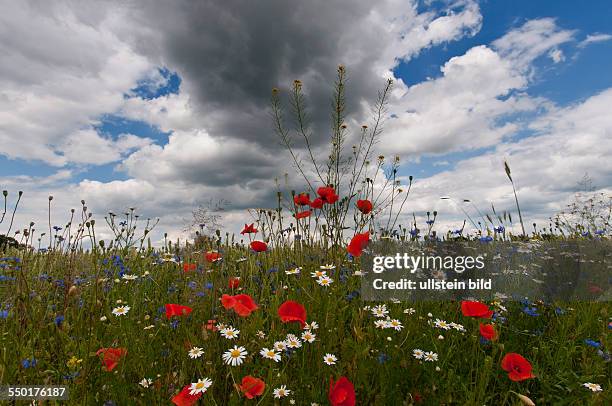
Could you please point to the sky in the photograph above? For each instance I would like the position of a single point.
(164, 106)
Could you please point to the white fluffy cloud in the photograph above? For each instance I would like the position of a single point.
(61, 68)
(546, 168)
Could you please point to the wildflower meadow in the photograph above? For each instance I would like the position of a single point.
(275, 314)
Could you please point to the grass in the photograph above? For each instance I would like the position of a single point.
(84, 287)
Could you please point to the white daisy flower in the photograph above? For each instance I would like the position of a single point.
(280, 346)
(330, 359)
(442, 324)
(418, 354)
(395, 324)
(129, 277)
(149, 327)
(281, 392)
(146, 382)
(234, 356)
(410, 310)
(325, 281)
(121, 310)
(308, 336)
(270, 354)
(195, 352)
(293, 342)
(380, 311)
(457, 327)
(294, 271)
(313, 325)
(592, 386)
(230, 333)
(261, 334)
(380, 324)
(328, 267)
(200, 386)
(431, 356)
(318, 274)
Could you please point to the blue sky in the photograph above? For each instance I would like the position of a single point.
(585, 71)
(174, 112)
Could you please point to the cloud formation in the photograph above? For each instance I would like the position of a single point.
(66, 66)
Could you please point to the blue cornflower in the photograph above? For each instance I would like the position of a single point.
(531, 311)
(559, 311)
(499, 229)
(59, 319)
(208, 285)
(592, 343)
(174, 324)
(4, 314)
(486, 238)
(28, 363)
(352, 295)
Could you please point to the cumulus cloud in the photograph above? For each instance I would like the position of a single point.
(547, 167)
(464, 109)
(61, 68)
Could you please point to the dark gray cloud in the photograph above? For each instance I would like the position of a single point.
(232, 53)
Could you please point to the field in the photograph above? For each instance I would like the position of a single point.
(278, 315)
(59, 309)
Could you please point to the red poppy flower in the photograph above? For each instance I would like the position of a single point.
(341, 393)
(234, 282)
(292, 311)
(252, 387)
(213, 256)
(248, 229)
(488, 332)
(184, 398)
(189, 267)
(303, 214)
(364, 206)
(303, 199)
(328, 194)
(518, 368)
(475, 309)
(177, 310)
(111, 356)
(242, 304)
(358, 243)
(211, 325)
(259, 246)
(317, 203)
